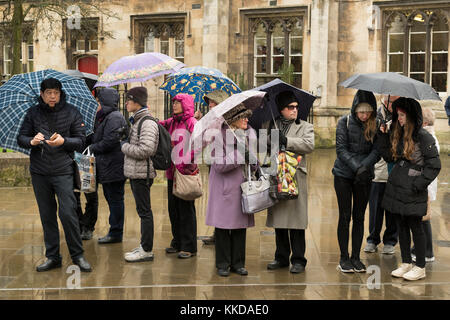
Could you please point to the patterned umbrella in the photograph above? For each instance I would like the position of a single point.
(138, 68)
(22, 92)
(198, 81)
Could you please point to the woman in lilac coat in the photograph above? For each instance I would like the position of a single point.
(224, 210)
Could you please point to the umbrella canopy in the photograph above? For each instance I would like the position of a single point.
(214, 118)
(199, 81)
(391, 83)
(138, 68)
(269, 110)
(90, 78)
(22, 91)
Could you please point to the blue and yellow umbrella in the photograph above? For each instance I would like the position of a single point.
(198, 81)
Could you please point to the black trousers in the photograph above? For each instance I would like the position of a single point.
(346, 192)
(376, 215)
(406, 225)
(114, 194)
(183, 220)
(89, 218)
(428, 240)
(230, 248)
(45, 190)
(287, 241)
(141, 193)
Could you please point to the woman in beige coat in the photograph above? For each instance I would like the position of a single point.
(290, 217)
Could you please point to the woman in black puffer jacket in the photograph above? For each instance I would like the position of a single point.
(417, 164)
(353, 173)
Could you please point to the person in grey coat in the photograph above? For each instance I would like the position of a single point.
(290, 217)
(138, 166)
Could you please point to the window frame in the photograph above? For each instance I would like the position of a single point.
(430, 15)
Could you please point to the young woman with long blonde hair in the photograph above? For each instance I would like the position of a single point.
(353, 173)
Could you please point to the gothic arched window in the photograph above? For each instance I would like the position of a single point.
(417, 46)
(277, 49)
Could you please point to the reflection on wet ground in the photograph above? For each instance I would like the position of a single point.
(22, 248)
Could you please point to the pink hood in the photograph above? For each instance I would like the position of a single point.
(185, 121)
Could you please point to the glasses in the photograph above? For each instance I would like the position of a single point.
(290, 108)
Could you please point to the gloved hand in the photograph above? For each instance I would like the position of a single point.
(122, 133)
(362, 176)
(282, 140)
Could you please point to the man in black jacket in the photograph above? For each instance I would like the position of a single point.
(53, 130)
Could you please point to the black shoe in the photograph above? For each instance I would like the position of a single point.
(275, 264)
(86, 235)
(241, 271)
(83, 264)
(297, 268)
(209, 240)
(48, 265)
(223, 272)
(358, 266)
(186, 254)
(109, 239)
(346, 266)
(171, 250)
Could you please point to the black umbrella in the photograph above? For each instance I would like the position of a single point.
(391, 83)
(89, 78)
(269, 109)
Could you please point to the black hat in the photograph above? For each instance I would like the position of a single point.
(284, 98)
(138, 95)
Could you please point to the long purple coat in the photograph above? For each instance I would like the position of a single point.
(224, 203)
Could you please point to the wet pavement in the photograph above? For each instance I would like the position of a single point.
(22, 249)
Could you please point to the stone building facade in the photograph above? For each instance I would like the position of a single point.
(326, 41)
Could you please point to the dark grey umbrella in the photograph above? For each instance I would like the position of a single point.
(269, 110)
(393, 84)
(89, 78)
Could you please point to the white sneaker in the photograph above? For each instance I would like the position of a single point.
(138, 255)
(415, 273)
(404, 268)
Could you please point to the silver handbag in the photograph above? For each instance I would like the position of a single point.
(255, 194)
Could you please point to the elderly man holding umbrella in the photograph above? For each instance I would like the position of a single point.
(290, 217)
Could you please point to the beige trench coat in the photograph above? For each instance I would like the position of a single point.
(293, 214)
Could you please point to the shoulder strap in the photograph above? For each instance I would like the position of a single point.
(139, 136)
(140, 124)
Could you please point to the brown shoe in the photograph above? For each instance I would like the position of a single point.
(186, 255)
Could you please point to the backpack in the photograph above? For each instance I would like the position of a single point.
(162, 158)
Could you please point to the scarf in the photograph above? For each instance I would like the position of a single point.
(284, 124)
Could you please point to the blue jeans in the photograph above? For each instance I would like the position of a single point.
(114, 195)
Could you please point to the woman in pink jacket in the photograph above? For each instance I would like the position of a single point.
(181, 212)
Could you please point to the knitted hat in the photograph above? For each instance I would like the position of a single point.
(363, 107)
(138, 95)
(237, 113)
(284, 98)
(218, 96)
